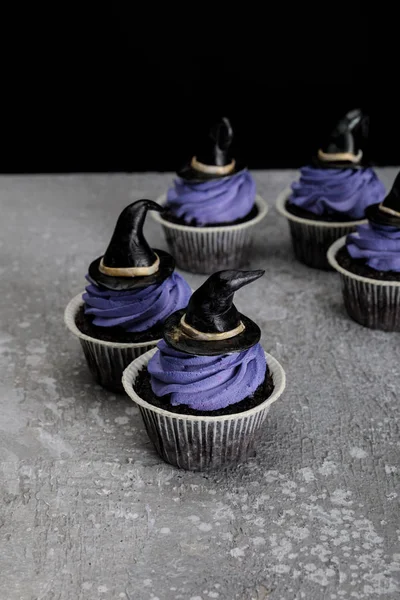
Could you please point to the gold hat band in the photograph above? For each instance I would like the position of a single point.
(195, 334)
(212, 169)
(130, 271)
(389, 211)
(340, 156)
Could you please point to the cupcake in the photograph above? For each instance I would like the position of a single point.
(331, 196)
(131, 290)
(369, 264)
(205, 392)
(212, 208)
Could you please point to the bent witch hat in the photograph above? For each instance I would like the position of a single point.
(387, 212)
(213, 158)
(211, 324)
(341, 150)
(129, 262)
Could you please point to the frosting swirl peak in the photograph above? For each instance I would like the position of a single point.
(206, 383)
(221, 200)
(138, 309)
(330, 192)
(379, 245)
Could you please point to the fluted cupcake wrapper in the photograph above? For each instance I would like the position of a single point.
(312, 239)
(106, 360)
(209, 249)
(374, 303)
(206, 443)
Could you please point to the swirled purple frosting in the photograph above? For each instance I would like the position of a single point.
(330, 192)
(206, 383)
(379, 245)
(139, 309)
(216, 201)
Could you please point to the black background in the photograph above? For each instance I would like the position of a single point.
(114, 89)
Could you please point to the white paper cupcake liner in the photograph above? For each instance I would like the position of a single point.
(206, 443)
(312, 239)
(374, 303)
(106, 360)
(209, 249)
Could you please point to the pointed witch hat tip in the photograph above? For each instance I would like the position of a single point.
(235, 279)
(212, 158)
(129, 262)
(211, 323)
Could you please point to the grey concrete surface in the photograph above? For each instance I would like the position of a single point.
(89, 512)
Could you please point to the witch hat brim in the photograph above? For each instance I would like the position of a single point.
(375, 214)
(189, 173)
(337, 164)
(120, 284)
(175, 337)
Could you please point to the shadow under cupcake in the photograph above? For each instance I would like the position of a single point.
(332, 194)
(212, 209)
(204, 394)
(369, 265)
(132, 290)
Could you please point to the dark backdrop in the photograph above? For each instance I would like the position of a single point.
(123, 90)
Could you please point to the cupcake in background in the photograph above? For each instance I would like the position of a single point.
(132, 290)
(369, 264)
(205, 393)
(212, 208)
(331, 196)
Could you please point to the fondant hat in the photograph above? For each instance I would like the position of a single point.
(213, 158)
(129, 262)
(387, 212)
(211, 324)
(340, 150)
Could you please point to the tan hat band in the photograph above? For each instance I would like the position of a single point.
(130, 271)
(389, 211)
(195, 334)
(340, 156)
(212, 169)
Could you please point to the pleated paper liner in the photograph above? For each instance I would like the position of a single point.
(374, 303)
(106, 360)
(206, 443)
(312, 239)
(209, 249)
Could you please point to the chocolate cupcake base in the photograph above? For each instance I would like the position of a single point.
(312, 238)
(106, 360)
(202, 443)
(373, 303)
(208, 249)
(145, 391)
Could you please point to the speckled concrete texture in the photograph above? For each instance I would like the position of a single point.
(89, 512)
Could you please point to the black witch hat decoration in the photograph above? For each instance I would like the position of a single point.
(340, 150)
(211, 324)
(387, 212)
(213, 158)
(129, 262)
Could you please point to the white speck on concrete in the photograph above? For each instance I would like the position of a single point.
(358, 453)
(328, 468)
(238, 552)
(307, 474)
(205, 527)
(389, 469)
(121, 420)
(341, 498)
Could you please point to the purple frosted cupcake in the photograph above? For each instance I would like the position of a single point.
(131, 290)
(206, 391)
(331, 196)
(369, 264)
(212, 208)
